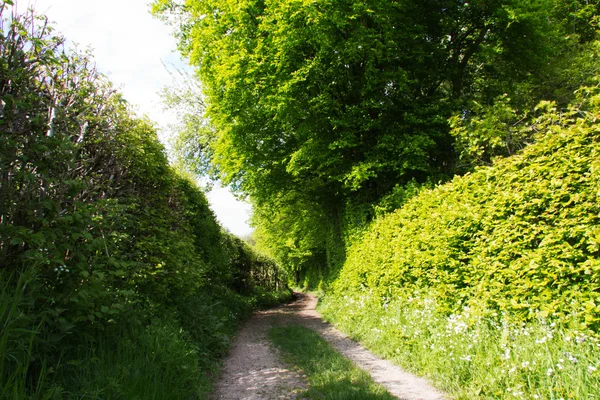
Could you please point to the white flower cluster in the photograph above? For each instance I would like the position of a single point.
(61, 269)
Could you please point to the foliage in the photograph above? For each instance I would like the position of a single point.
(191, 134)
(17, 338)
(330, 375)
(292, 240)
(100, 237)
(500, 129)
(321, 112)
(329, 115)
(520, 237)
(153, 362)
(494, 131)
(489, 283)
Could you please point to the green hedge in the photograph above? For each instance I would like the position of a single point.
(521, 238)
(101, 241)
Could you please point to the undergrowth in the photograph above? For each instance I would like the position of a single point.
(153, 362)
(157, 359)
(472, 356)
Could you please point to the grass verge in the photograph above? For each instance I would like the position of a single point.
(159, 359)
(18, 330)
(471, 356)
(330, 375)
(154, 362)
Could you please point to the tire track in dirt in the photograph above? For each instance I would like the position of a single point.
(253, 370)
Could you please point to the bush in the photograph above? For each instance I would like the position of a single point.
(100, 237)
(489, 283)
(519, 238)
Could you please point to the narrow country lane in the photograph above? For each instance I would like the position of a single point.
(253, 369)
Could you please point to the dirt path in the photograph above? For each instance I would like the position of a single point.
(253, 369)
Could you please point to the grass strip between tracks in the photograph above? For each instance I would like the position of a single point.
(330, 375)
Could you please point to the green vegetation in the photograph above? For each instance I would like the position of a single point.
(490, 282)
(330, 375)
(323, 112)
(432, 165)
(519, 238)
(152, 362)
(470, 356)
(116, 280)
(421, 163)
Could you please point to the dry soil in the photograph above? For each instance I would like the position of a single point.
(253, 370)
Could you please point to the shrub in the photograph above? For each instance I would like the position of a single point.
(489, 283)
(105, 235)
(520, 237)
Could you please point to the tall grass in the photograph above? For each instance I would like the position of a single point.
(22, 374)
(160, 360)
(472, 356)
(155, 362)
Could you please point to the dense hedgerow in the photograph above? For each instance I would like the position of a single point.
(489, 284)
(107, 254)
(520, 238)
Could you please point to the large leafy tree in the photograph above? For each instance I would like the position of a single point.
(333, 104)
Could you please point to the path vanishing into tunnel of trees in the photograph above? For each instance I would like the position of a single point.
(253, 370)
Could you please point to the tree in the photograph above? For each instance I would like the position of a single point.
(334, 104)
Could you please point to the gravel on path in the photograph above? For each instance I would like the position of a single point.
(253, 370)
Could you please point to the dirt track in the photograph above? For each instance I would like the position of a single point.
(253, 369)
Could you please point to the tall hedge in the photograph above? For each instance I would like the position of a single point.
(521, 237)
(95, 226)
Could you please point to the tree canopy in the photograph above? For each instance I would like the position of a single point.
(321, 109)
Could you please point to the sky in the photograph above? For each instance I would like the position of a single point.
(132, 48)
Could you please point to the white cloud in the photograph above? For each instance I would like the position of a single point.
(130, 46)
(230, 212)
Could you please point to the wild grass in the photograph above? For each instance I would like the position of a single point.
(161, 361)
(155, 362)
(18, 332)
(158, 360)
(330, 375)
(473, 356)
